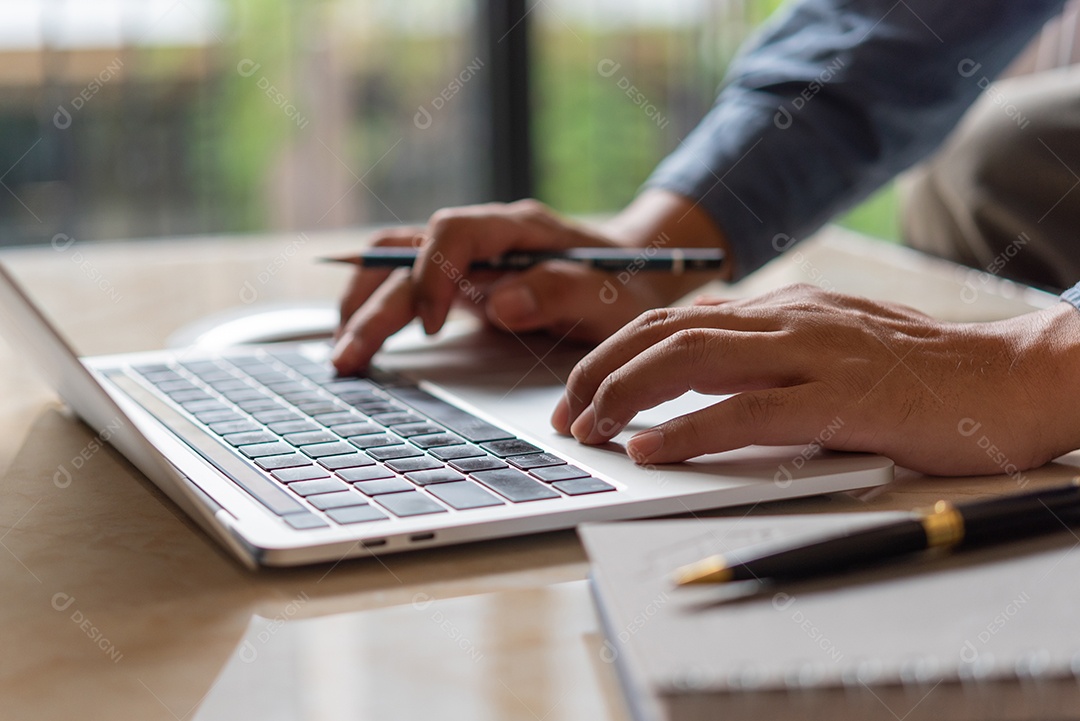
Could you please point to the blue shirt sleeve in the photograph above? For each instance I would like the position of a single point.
(832, 100)
(1072, 296)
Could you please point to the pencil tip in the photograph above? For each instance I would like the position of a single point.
(343, 259)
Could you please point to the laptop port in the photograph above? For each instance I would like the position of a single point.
(422, 537)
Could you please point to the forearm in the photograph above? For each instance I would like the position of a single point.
(834, 99)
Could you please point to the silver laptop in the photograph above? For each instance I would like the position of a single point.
(285, 463)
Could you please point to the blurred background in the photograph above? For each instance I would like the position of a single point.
(147, 118)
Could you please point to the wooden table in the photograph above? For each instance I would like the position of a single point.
(115, 606)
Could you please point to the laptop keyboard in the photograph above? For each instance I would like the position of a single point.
(359, 450)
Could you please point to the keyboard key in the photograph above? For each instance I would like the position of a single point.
(303, 395)
(319, 374)
(320, 408)
(558, 473)
(186, 396)
(511, 447)
(395, 418)
(247, 393)
(312, 403)
(374, 441)
(533, 460)
(385, 485)
(515, 485)
(245, 439)
(295, 426)
(292, 460)
(337, 417)
(348, 430)
(228, 383)
(355, 514)
(320, 486)
(300, 473)
(269, 375)
(304, 521)
(385, 379)
(433, 441)
(313, 370)
(200, 367)
(308, 437)
(276, 414)
(408, 430)
(258, 450)
(340, 499)
(368, 473)
(168, 381)
(386, 453)
(417, 463)
(464, 495)
(349, 460)
(290, 386)
(227, 427)
(581, 486)
(481, 463)
(215, 376)
(181, 384)
(320, 450)
(161, 376)
(354, 398)
(411, 503)
(247, 362)
(259, 404)
(378, 407)
(349, 385)
(449, 453)
(290, 357)
(149, 368)
(218, 415)
(438, 475)
(457, 420)
(204, 405)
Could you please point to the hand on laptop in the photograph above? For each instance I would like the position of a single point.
(845, 372)
(562, 298)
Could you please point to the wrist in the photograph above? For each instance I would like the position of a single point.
(1054, 340)
(662, 219)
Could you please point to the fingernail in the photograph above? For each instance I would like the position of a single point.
(512, 303)
(343, 352)
(583, 426)
(423, 310)
(560, 417)
(645, 444)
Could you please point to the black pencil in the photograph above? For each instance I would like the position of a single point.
(671, 260)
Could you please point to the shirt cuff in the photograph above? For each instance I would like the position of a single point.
(1072, 296)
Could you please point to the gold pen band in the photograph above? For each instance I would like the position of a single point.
(711, 570)
(944, 526)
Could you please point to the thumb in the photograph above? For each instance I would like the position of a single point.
(791, 415)
(558, 296)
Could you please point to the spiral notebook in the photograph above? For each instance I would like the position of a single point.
(983, 635)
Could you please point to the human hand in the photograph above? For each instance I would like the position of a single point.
(849, 373)
(566, 299)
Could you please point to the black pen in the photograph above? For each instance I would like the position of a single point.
(999, 520)
(671, 260)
